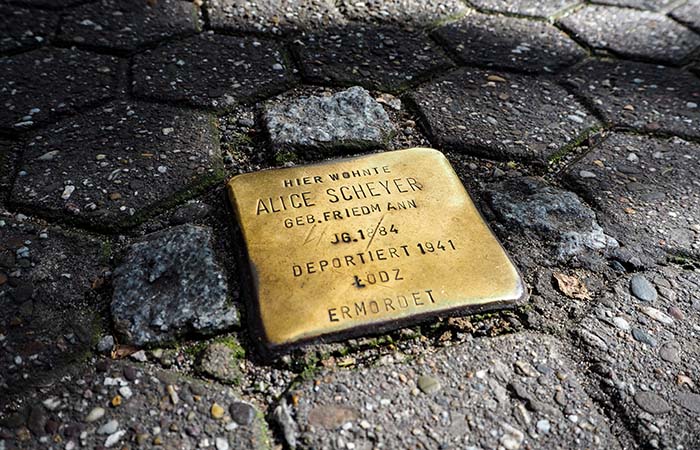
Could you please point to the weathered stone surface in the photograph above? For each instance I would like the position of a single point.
(499, 115)
(640, 185)
(548, 214)
(164, 409)
(43, 84)
(49, 4)
(531, 8)
(402, 13)
(48, 280)
(25, 28)
(218, 361)
(170, 285)
(212, 71)
(115, 166)
(632, 34)
(641, 96)
(347, 120)
(689, 14)
(485, 401)
(125, 26)
(273, 16)
(649, 388)
(358, 55)
(518, 44)
(651, 5)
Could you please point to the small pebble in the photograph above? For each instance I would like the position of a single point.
(643, 289)
(217, 411)
(95, 414)
(108, 428)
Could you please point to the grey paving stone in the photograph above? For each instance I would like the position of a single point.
(381, 58)
(651, 5)
(347, 120)
(531, 8)
(648, 364)
(44, 84)
(171, 285)
(212, 71)
(125, 26)
(113, 167)
(549, 215)
(48, 295)
(512, 43)
(632, 34)
(157, 409)
(273, 17)
(511, 392)
(645, 190)
(499, 115)
(22, 29)
(689, 14)
(641, 96)
(403, 13)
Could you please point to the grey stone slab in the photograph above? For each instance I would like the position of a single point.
(645, 356)
(49, 282)
(650, 5)
(113, 167)
(347, 120)
(544, 213)
(212, 71)
(501, 115)
(512, 43)
(388, 59)
(645, 190)
(44, 84)
(632, 34)
(273, 17)
(22, 29)
(126, 26)
(170, 285)
(531, 8)
(689, 14)
(403, 13)
(641, 96)
(511, 392)
(158, 409)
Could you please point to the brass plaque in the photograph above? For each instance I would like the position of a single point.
(368, 242)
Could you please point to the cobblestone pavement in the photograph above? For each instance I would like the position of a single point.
(574, 124)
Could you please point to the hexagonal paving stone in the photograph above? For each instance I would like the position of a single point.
(689, 14)
(644, 356)
(113, 166)
(641, 96)
(645, 189)
(43, 84)
(512, 43)
(403, 13)
(48, 288)
(273, 16)
(377, 58)
(22, 29)
(124, 26)
(633, 34)
(158, 409)
(531, 8)
(212, 71)
(500, 115)
(651, 5)
(517, 391)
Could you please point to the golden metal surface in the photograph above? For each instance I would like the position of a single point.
(367, 242)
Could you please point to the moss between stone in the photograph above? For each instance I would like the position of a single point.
(560, 154)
